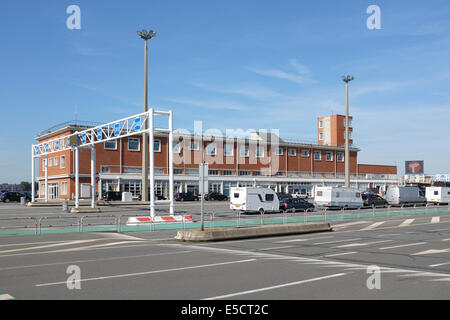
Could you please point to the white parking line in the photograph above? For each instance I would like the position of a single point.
(439, 264)
(403, 245)
(336, 241)
(275, 248)
(339, 254)
(301, 240)
(147, 272)
(435, 219)
(48, 246)
(275, 287)
(373, 226)
(6, 297)
(360, 244)
(407, 222)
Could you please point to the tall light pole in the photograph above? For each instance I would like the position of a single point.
(146, 35)
(347, 79)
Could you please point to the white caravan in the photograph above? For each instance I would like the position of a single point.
(254, 199)
(337, 197)
(438, 194)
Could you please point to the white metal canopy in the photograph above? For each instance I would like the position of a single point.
(125, 127)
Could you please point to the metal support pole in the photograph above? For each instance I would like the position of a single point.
(93, 177)
(77, 178)
(144, 188)
(347, 152)
(171, 184)
(46, 178)
(152, 164)
(32, 176)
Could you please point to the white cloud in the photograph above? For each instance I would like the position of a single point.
(300, 76)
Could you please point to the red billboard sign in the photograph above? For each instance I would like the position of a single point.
(414, 167)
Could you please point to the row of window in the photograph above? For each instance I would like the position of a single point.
(349, 123)
(211, 149)
(53, 162)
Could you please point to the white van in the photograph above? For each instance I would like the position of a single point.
(254, 199)
(437, 194)
(404, 195)
(337, 197)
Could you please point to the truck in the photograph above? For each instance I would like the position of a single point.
(403, 195)
(254, 199)
(337, 197)
(437, 194)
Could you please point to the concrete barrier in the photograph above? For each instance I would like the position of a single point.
(232, 233)
(85, 210)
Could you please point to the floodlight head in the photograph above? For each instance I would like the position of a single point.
(347, 79)
(146, 35)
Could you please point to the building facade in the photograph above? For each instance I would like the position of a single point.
(257, 160)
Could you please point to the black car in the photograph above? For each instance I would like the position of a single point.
(11, 196)
(186, 196)
(215, 196)
(283, 196)
(371, 199)
(112, 195)
(295, 204)
(157, 197)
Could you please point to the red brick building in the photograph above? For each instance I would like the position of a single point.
(258, 159)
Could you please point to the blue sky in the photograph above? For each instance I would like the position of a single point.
(232, 64)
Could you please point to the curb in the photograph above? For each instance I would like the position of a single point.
(233, 233)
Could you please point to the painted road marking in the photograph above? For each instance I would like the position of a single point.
(439, 264)
(339, 254)
(275, 287)
(48, 246)
(300, 240)
(94, 260)
(373, 226)
(407, 222)
(336, 241)
(432, 251)
(435, 219)
(6, 296)
(148, 272)
(360, 244)
(96, 246)
(403, 245)
(349, 224)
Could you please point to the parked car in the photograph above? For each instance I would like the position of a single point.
(295, 204)
(372, 199)
(186, 196)
(283, 195)
(112, 195)
(215, 196)
(157, 197)
(11, 196)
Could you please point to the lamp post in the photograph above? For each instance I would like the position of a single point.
(146, 35)
(347, 79)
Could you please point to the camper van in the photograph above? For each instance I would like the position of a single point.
(253, 199)
(337, 197)
(438, 194)
(404, 195)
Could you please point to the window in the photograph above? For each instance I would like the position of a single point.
(305, 153)
(133, 144)
(111, 145)
(63, 188)
(228, 150)
(176, 147)
(259, 152)
(62, 164)
(319, 193)
(292, 152)
(321, 136)
(279, 173)
(244, 151)
(44, 164)
(50, 162)
(436, 193)
(349, 134)
(227, 172)
(340, 157)
(338, 194)
(317, 155)
(157, 145)
(269, 197)
(256, 173)
(211, 149)
(55, 161)
(329, 156)
(132, 170)
(177, 171)
(244, 173)
(194, 145)
(279, 151)
(42, 189)
(104, 169)
(213, 172)
(236, 195)
(320, 124)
